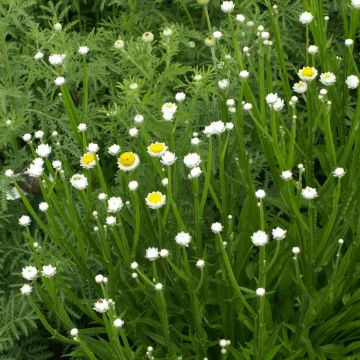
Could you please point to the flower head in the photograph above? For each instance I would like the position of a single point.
(88, 160)
(115, 204)
(26, 289)
(352, 82)
(79, 181)
(339, 172)
(328, 78)
(83, 50)
(128, 161)
(168, 158)
(114, 149)
(118, 323)
(48, 271)
(300, 87)
(307, 73)
(29, 273)
(152, 253)
(306, 18)
(192, 160)
(183, 239)
(168, 110)
(155, 200)
(101, 306)
(309, 193)
(227, 6)
(43, 150)
(259, 238)
(156, 149)
(279, 233)
(216, 228)
(24, 220)
(260, 291)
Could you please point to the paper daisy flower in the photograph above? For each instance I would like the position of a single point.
(155, 200)
(43, 150)
(26, 289)
(101, 306)
(300, 87)
(278, 233)
(152, 253)
(192, 160)
(328, 78)
(48, 271)
(307, 73)
(309, 193)
(168, 158)
(79, 181)
(183, 239)
(115, 204)
(259, 238)
(128, 161)
(88, 160)
(29, 273)
(156, 149)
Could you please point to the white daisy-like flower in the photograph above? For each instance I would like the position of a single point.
(164, 253)
(309, 193)
(247, 107)
(180, 96)
(279, 104)
(82, 127)
(35, 170)
(119, 44)
(134, 132)
(157, 149)
(195, 173)
(306, 18)
(216, 228)
(56, 59)
(138, 119)
(286, 175)
(9, 173)
(79, 181)
(74, 332)
(83, 50)
(133, 185)
(29, 272)
(43, 150)
(92, 147)
(313, 49)
(227, 6)
(102, 196)
(114, 149)
(200, 264)
(300, 87)
(217, 35)
(192, 160)
(88, 160)
(152, 253)
(260, 292)
(118, 323)
(271, 99)
(183, 239)
(26, 289)
(101, 306)
(355, 4)
(240, 18)
(26, 137)
(128, 161)
(215, 128)
(159, 287)
(259, 238)
(59, 81)
(328, 78)
(295, 250)
(352, 82)
(115, 204)
(168, 158)
(48, 271)
(223, 84)
(24, 220)
(165, 182)
(339, 172)
(278, 233)
(168, 110)
(99, 278)
(307, 73)
(38, 56)
(155, 200)
(260, 194)
(110, 220)
(43, 206)
(56, 164)
(147, 37)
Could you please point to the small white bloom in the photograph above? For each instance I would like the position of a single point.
(341, 241)
(352, 82)
(271, 99)
(247, 107)
(83, 50)
(240, 18)
(309, 193)
(195, 141)
(43, 150)
(138, 119)
(119, 44)
(313, 49)
(300, 87)
(48, 271)
(26, 289)
(38, 56)
(35, 170)
(118, 323)
(355, 4)
(168, 110)
(114, 149)
(79, 181)
(99, 278)
(74, 332)
(29, 273)
(260, 291)
(244, 74)
(26, 137)
(133, 132)
(293, 100)
(180, 96)
(227, 6)
(82, 127)
(168, 158)
(102, 196)
(133, 185)
(56, 164)
(279, 104)
(286, 175)
(24, 220)
(43, 206)
(115, 204)
(111, 220)
(260, 194)
(164, 253)
(230, 102)
(9, 173)
(60, 80)
(349, 42)
(229, 126)
(339, 172)
(217, 35)
(152, 253)
(216, 228)
(158, 287)
(223, 84)
(215, 128)
(306, 18)
(56, 59)
(328, 78)
(259, 238)
(147, 37)
(165, 182)
(183, 239)
(200, 264)
(101, 306)
(93, 148)
(57, 27)
(134, 265)
(195, 173)
(167, 32)
(279, 233)
(295, 250)
(192, 160)
(39, 134)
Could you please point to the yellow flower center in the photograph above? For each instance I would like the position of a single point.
(127, 158)
(155, 197)
(156, 148)
(88, 158)
(307, 71)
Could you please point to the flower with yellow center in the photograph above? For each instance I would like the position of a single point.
(155, 200)
(128, 161)
(88, 160)
(307, 73)
(156, 149)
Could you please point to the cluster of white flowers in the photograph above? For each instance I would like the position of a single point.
(275, 102)
(36, 168)
(223, 345)
(215, 128)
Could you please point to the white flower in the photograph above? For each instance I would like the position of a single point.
(167, 32)
(88, 160)
(101, 306)
(215, 128)
(102, 196)
(279, 233)
(244, 74)
(43, 150)
(259, 238)
(300, 87)
(74, 332)
(48, 271)
(133, 132)
(279, 104)
(118, 323)
(60, 80)
(9, 173)
(164, 253)
(309, 193)
(230, 102)
(349, 42)
(24, 220)
(115, 204)
(147, 37)
(195, 173)
(158, 287)
(119, 44)
(39, 134)
(183, 239)
(307, 73)
(152, 253)
(56, 164)
(99, 278)
(355, 4)
(110, 220)
(227, 6)
(313, 49)
(82, 127)
(134, 265)
(168, 158)
(168, 110)
(240, 18)
(180, 96)
(295, 250)
(200, 263)
(260, 291)
(29, 273)
(216, 228)
(114, 149)
(306, 18)
(38, 56)
(339, 172)
(56, 59)
(260, 194)
(217, 35)
(157, 149)
(155, 200)
(247, 107)
(57, 27)
(352, 82)
(26, 137)
(83, 50)
(195, 141)
(192, 160)
(286, 175)
(165, 182)
(294, 99)
(133, 185)
(328, 78)
(223, 84)
(79, 181)
(43, 206)
(271, 99)
(128, 161)
(138, 119)
(26, 289)
(93, 148)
